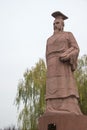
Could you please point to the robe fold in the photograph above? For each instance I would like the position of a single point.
(60, 81)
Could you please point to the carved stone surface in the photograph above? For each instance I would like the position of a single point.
(60, 79)
(63, 121)
(61, 57)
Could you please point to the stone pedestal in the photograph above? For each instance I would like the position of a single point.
(62, 122)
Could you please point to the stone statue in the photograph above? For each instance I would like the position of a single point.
(61, 57)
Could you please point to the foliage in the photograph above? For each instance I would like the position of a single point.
(81, 78)
(31, 93)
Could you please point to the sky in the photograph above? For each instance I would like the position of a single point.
(25, 26)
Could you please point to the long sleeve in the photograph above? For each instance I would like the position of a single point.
(71, 54)
(74, 52)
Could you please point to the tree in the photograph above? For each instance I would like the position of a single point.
(31, 93)
(81, 78)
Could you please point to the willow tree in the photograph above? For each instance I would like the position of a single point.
(81, 78)
(31, 94)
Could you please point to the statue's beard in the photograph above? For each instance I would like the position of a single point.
(57, 29)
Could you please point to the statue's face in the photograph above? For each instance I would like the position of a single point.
(58, 24)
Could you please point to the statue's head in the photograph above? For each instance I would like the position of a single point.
(58, 24)
(59, 20)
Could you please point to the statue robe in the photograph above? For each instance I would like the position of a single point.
(60, 81)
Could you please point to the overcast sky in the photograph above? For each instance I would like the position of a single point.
(25, 26)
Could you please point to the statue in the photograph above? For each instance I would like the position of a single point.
(61, 57)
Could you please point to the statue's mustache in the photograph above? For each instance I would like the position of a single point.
(55, 27)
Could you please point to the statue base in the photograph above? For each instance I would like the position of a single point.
(55, 121)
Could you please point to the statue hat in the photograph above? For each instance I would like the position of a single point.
(58, 14)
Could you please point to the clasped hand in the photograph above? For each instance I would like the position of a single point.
(64, 57)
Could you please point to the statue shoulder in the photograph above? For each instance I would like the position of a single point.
(68, 33)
